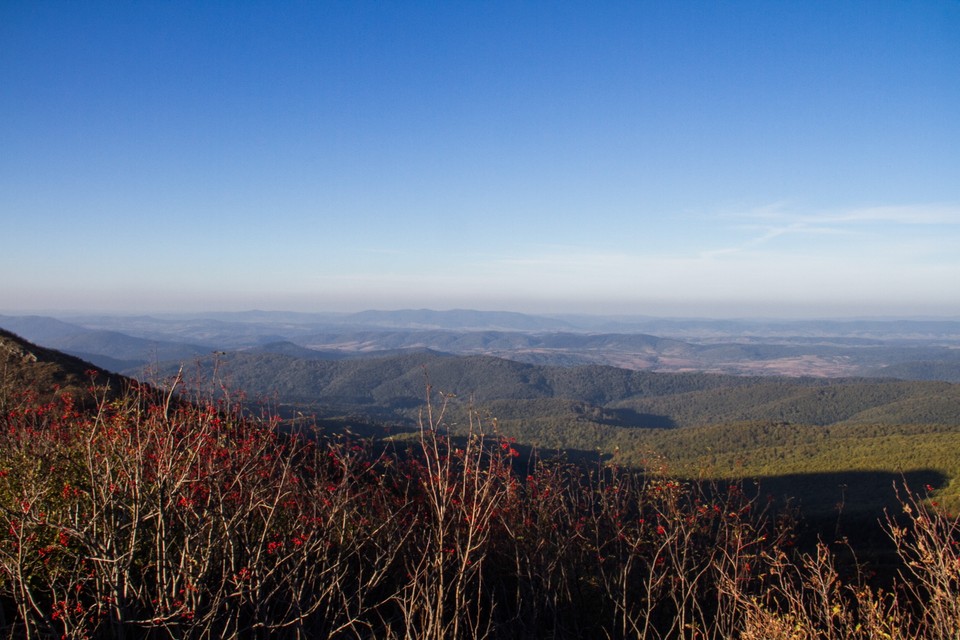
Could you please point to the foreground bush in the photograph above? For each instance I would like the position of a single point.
(157, 518)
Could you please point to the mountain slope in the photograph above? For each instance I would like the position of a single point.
(593, 393)
(109, 349)
(30, 370)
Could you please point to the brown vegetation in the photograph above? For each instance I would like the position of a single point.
(147, 518)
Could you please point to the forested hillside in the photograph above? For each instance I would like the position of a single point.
(134, 516)
(730, 425)
(600, 394)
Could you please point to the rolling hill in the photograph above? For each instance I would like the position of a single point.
(722, 425)
(601, 394)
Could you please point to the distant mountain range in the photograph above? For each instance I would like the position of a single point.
(911, 349)
(210, 324)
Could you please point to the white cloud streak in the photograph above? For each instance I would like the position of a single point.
(776, 221)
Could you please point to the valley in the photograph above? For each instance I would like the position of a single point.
(909, 349)
(732, 398)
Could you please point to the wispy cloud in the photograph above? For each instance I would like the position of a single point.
(765, 224)
(919, 214)
(764, 234)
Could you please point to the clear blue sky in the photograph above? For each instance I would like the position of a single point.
(669, 158)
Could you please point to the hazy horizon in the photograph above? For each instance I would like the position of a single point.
(78, 314)
(689, 159)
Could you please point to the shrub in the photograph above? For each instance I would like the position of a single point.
(152, 517)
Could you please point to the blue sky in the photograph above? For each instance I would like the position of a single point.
(670, 158)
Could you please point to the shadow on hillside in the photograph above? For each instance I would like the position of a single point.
(850, 512)
(830, 505)
(851, 493)
(845, 498)
(845, 510)
(837, 496)
(352, 427)
(636, 420)
(849, 509)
